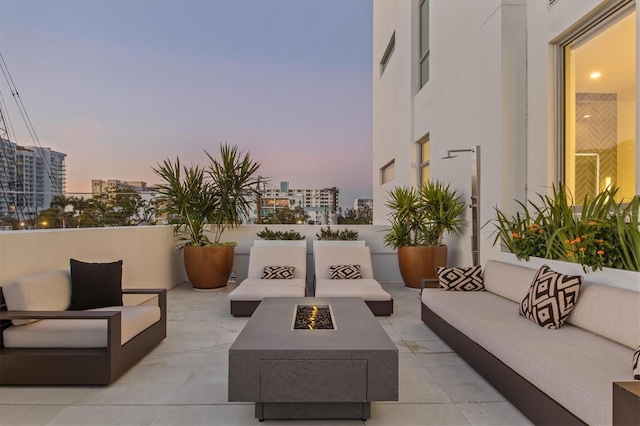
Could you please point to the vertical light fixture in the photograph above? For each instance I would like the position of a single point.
(475, 198)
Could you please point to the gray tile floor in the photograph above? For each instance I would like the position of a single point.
(184, 380)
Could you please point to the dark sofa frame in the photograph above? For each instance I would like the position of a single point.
(81, 366)
(526, 397)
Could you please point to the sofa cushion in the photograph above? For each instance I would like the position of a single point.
(550, 298)
(81, 333)
(571, 365)
(253, 289)
(345, 272)
(461, 279)
(635, 364)
(278, 272)
(95, 285)
(509, 281)
(366, 288)
(48, 291)
(602, 309)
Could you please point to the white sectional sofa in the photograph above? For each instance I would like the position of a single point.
(43, 343)
(562, 376)
(245, 298)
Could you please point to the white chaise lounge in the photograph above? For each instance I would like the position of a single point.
(368, 288)
(248, 295)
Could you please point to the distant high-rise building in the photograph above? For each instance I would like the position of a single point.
(363, 203)
(317, 203)
(29, 178)
(105, 186)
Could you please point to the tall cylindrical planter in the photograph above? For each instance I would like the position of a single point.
(417, 263)
(208, 267)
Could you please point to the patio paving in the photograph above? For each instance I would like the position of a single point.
(184, 380)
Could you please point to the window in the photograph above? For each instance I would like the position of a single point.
(423, 166)
(424, 42)
(599, 76)
(388, 53)
(388, 172)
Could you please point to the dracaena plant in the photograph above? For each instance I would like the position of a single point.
(218, 196)
(421, 216)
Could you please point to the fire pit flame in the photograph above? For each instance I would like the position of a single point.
(312, 317)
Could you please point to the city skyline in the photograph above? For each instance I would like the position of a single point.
(120, 86)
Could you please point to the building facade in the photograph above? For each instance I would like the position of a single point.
(319, 204)
(29, 178)
(107, 186)
(540, 92)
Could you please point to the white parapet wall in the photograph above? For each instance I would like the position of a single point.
(149, 255)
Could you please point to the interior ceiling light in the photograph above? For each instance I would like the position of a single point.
(586, 116)
(595, 75)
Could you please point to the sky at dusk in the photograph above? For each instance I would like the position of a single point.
(120, 85)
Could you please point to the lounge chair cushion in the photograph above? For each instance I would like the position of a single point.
(253, 289)
(48, 291)
(81, 333)
(95, 285)
(366, 288)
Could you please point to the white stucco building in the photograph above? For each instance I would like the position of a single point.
(546, 88)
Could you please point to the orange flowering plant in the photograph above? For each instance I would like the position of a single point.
(600, 233)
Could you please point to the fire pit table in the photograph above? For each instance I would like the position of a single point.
(291, 365)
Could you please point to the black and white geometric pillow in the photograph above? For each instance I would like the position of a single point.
(550, 298)
(461, 279)
(278, 272)
(636, 364)
(345, 272)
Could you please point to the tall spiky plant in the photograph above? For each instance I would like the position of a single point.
(420, 217)
(188, 200)
(233, 178)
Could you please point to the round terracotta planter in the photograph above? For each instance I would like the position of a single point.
(208, 267)
(417, 263)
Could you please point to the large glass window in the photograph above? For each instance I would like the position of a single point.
(423, 166)
(424, 42)
(600, 108)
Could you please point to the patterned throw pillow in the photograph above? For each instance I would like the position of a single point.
(550, 298)
(278, 272)
(345, 272)
(636, 364)
(461, 279)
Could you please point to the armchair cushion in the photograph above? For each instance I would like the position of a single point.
(81, 333)
(95, 285)
(47, 291)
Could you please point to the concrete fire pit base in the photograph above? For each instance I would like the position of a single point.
(313, 374)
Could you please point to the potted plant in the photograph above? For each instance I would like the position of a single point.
(280, 238)
(337, 237)
(196, 199)
(419, 219)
